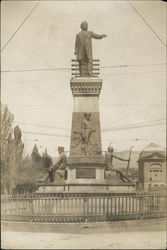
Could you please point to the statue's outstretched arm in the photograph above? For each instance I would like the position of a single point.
(119, 158)
(96, 36)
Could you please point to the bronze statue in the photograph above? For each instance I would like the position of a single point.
(109, 163)
(86, 128)
(86, 131)
(58, 168)
(82, 137)
(83, 48)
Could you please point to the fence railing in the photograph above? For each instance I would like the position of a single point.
(95, 67)
(81, 207)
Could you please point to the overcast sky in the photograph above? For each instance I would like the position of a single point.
(42, 102)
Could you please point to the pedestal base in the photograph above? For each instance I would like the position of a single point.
(85, 170)
(86, 188)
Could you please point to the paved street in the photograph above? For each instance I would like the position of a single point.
(116, 235)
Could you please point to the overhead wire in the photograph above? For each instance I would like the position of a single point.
(47, 134)
(61, 128)
(134, 125)
(41, 126)
(140, 138)
(134, 65)
(68, 68)
(163, 130)
(133, 73)
(140, 111)
(40, 105)
(20, 26)
(147, 24)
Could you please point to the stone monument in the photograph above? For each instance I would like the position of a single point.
(85, 163)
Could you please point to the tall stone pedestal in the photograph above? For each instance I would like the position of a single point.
(86, 163)
(86, 166)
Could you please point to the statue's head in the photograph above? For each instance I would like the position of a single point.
(110, 148)
(84, 25)
(60, 149)
(87, 116)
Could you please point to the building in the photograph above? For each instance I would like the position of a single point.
(152, 168)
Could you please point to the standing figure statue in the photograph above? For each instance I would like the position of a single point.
(109, 163)
(86, 128)
(83, 48)
(86, 132)
(59, 168)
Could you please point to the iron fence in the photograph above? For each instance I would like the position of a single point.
(81, 207)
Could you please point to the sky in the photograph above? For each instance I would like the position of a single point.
(132, 67)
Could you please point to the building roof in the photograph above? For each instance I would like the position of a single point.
(151, 150)
(153, 147)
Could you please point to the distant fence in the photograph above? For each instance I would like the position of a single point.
(81, 207)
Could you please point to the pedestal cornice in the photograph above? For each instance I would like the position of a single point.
(86, 86)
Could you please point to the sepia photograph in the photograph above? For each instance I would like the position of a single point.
(83, 124)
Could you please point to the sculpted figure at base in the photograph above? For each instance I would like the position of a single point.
(83, 48)
(58, 169)
(83, 139)
(109, 163)
(86, 131)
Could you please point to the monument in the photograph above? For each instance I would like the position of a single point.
(86, 165)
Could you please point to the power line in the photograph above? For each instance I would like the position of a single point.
(47, 134)
(132, 73)
(133, 127)
(70, 105)
(35, 80)
(27, 70)
(40, 105)
(67, 68)
(61, 128)
(133, 65)
(105, 75)
(136, 125)
(41, 126)
(163, 130)
(20, 26)
(140, 111)
(148, 25)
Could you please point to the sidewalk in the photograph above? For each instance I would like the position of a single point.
(115, 235)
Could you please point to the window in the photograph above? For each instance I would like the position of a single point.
(155, 166)
(150, 179)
